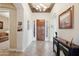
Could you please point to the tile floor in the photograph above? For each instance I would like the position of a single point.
(36, 48)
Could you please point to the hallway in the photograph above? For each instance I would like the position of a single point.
(36, 48)
(32, 33)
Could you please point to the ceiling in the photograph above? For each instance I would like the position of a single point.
(41, 7)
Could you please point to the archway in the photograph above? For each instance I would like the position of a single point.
(16, 14)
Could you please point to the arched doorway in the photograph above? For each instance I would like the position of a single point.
(12, 11)
(14, 16)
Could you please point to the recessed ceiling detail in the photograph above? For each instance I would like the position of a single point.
(41, 7)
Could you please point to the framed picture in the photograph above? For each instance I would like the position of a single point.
(46, 24)
(28, 25)
(34, 28)
(66, 19)
(19, 26)
(1, 25)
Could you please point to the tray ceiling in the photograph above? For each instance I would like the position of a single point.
(41, 7)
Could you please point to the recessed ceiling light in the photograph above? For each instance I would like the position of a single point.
(42, 5)
(37, 6)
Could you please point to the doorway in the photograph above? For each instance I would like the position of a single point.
(40, 29)
(4, 29)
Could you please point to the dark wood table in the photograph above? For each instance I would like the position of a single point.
(68, 48)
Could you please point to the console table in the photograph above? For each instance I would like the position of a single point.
(66, 47)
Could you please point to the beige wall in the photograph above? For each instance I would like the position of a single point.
(67, 34)
(5, 21)
(4, 17)
(20, 18)
(13, 29)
